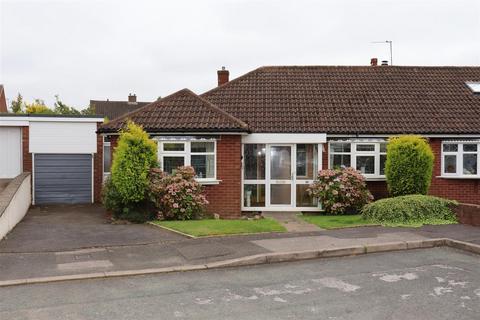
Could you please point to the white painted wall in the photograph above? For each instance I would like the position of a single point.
(63, 137)
(10, 152)
(17, 208)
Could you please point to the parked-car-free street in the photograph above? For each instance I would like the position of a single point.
(438, 283)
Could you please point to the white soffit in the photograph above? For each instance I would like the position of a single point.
(285, 138)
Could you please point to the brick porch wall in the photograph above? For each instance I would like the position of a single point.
(98, 169)
(26, 155)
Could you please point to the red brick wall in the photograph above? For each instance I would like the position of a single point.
(26, 155)
(98, 169)
(225, 198)
(462, 190)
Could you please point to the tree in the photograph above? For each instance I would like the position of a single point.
(62, 108)
(38, 107)
(88, 111)
(409, 165)
(17, 105)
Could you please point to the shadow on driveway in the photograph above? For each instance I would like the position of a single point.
(69, 227)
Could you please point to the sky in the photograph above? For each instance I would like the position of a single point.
(85, 49)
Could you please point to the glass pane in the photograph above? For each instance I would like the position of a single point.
(280, 162)
(340, 147)
(254, 195)
(383, 147)
(366, 164)
(254, 161)
(307, 161)
(107, 161)
(469, 147)
(303, 198)
(280, 194)
(450, 147)
(204, 165)
(173, 146)
(340, 160)
(450, 164)
(202, 147)
(172, 163)
(383, 159)
(365, 147)
(470, 163)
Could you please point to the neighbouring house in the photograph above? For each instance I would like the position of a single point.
(114, 109)
(63, 153)
(258, 141)
(3, 100)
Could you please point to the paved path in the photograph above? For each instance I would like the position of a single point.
(183, 251)
(291, 221)
(437, 283)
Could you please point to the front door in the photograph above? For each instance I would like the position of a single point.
(280, 175)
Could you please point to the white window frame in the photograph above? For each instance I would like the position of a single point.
(459, 160)
(376, 153)
(187, 154)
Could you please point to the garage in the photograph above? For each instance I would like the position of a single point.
(10, 152)
(63, 178)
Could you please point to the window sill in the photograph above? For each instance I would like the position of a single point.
(375, 179)
(209, 182)
(459, 177)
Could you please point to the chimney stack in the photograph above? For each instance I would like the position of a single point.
(374, 62)
(222, 76)
(384, 62)
(132, 98)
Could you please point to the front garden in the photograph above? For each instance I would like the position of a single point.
(139, 191)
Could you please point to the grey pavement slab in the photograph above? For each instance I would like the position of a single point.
(439, 283)
(291, 221)
(61, 228)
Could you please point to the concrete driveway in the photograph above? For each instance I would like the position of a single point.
(69, 227)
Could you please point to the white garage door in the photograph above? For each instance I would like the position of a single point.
(10, 152)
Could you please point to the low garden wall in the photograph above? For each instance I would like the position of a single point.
(15, 200)
(468, 214)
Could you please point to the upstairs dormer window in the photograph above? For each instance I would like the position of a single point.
(474, 86)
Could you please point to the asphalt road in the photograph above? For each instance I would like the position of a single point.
(438, 283)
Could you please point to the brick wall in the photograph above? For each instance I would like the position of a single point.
(98, 169)
(26, 155)
(225, 198)
(462, 190)
(468, 214)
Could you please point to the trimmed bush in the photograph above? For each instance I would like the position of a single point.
(125, 193)
(134, 156)
(409, 165)
(410, 209)
(178, 196)
(341, 190)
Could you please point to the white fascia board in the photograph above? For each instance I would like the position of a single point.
(48, 119)
(285, 138)
(400, 134)
(5, 122)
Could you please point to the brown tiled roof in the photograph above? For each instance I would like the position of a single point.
(3, 101)
(351, 100)
(115, 109)
(183, 111)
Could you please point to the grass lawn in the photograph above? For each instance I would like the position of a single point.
(337, 221)
(211, 227)
(345, 221)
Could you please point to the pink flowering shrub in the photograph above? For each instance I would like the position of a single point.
(178, 196)
(340, 190)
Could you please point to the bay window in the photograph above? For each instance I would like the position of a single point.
(199, 154)
(368, 157)
(460, 159)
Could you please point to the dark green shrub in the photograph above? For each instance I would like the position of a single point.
(409, 165)
(410, 209)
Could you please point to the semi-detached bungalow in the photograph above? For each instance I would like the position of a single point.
(258, 141)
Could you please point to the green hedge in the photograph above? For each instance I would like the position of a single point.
(409, 165)
(410, 210)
